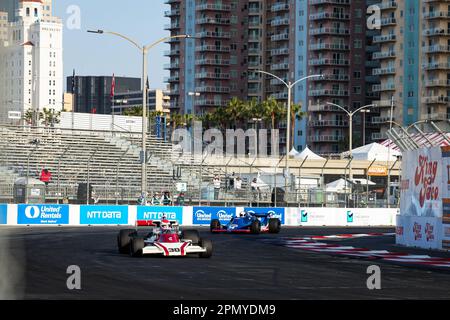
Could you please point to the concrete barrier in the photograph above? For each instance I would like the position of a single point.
(75, 215)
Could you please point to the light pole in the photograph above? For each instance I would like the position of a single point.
(290, 85)
(144, 52)
(350, 115)
(364, 125)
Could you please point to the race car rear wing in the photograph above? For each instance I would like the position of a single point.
(153, 223)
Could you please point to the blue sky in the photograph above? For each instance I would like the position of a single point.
(91, 54)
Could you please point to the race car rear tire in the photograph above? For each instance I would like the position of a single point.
(124, 240)
(136, 246)
(255, 228)
(206, 244)
(274, 225)
(192, 235)
(215, 224)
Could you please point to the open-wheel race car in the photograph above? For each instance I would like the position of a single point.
(164, 238)
(248, 222)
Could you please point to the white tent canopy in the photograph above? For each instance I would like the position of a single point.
(306, 153)
(342, 184)
(374, 151)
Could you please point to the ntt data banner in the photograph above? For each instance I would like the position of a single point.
(42, 214)
(204, 215)
(3, 212)
(158, 213)
(103, 215)
(422, 184)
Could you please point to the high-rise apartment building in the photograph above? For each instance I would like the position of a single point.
(31, 73)
(402, 58)
(291, 39)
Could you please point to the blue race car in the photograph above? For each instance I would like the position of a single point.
(254, 223)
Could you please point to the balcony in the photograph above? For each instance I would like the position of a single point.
(213, 62)
(211, 34)
(329, 123)
(213, 89)
(329, 62)
(384, 55)
(329, 31)
(388, 22)
(324, 108)
(279, 66)
(338, 2)
(377, 136)
(329, 15)
(437, 49)
(435, 116)
(436, 32)
(384, 71)
(172, 26)
(213, 7)
(436, 100)
(211, 103)
(383, 103)
(387, 5)
(326, 138)
(436, 66)
(280, 6)
(279, 22)
(280, 96)
(212, 75)
(328, 92)
(385, 38)
(214, 21)
(383, 87)
(437, 83)
(280, 37)
(171, 13)
(331, 77)
(328, 46)
(213, 48)
(381, 120)
(169, 53)
(437, 14)
(174, 65)
(279, 52)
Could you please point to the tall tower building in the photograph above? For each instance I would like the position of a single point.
(31, 77)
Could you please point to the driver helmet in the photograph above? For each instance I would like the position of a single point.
(165, 225)
(243, 214)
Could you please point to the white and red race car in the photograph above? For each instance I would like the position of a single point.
(165, 238)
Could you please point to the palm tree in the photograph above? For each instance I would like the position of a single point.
(49, 117)
(273, 111)
(296, 114)
(133, 112)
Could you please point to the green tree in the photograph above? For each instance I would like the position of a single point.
(296, 114)
(49, 117)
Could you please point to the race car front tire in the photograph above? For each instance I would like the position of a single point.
(255, 227)
(192, 235)
(215, 224)
(136, 246)
(274, 226)
(206, 244)
(124, 240)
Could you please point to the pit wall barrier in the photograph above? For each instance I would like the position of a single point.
(76, 215)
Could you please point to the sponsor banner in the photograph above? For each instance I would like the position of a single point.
(103, 215)
(42, 214)
(422, 185)
(3, 211)
(420, 232)
(204, 215)
(277, 212)
(378, 171)
(316, 217)
(158, 213)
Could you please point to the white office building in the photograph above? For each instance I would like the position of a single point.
(31, 59)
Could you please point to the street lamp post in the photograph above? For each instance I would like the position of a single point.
(144, 52)
(290, 85)
(350, 115)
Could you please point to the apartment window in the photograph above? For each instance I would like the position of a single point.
(357, 74)
(357, 90)
(357, 44)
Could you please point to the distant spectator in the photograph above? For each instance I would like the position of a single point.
(237, 186)
(156, 200)
(165, 199)
(46, 176)
(142, 200)
(180, 199)
(255, 188)
(217, 184)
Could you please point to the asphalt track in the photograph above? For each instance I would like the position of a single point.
(34, 261)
